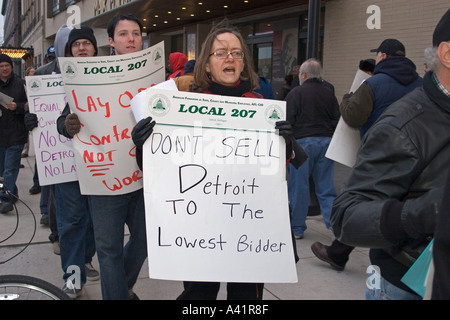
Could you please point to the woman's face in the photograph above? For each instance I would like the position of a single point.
(226, 71)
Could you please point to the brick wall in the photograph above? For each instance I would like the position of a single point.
(347, 38)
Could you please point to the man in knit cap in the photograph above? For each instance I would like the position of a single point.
(391, 202)
(13, 133)
(76, 236)
(441, 251)
(82, 42)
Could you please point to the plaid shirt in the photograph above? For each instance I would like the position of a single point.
(440, 86)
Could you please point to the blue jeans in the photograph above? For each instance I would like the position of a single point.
(388, 291)
(48, 206)
(119, 265)
(76, 234)
(35, 175)
(322, 171)
(9, 170)
(44, 200)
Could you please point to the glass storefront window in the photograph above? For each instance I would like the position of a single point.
(264, 62)
(55, 6)
(191, 41)
(278, 45)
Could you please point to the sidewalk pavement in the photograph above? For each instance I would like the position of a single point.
(316, 279)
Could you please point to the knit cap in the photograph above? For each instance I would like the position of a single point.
(5, 58)
(442, 31)
(84, 32)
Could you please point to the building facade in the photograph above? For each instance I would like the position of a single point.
(277, 31)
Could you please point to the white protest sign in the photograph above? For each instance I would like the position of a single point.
(55, 157)
(344, 145)
(215, 189)
(99, 91)
(360, 77)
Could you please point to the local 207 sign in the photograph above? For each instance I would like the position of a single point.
(99, 91)
(215, 189)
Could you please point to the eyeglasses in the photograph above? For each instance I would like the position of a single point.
(84, 43)
(223, 54)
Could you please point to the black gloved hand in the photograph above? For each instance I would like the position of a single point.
(300, 156)
(141, 131)
(31, 121)
(73, 124)
(285, 130)
(418, 215)
(413, 218)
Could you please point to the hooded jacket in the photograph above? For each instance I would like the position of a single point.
(177, 61)
(60, 44)
(393, 78)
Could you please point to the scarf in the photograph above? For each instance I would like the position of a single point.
(238, 90)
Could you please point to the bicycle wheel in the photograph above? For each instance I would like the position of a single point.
(21, 287)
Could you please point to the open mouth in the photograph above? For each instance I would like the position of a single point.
(229, 70)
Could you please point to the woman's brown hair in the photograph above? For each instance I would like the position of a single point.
(202, 79)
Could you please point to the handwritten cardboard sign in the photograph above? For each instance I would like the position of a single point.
(215, 189)
(99, 91)
(55, 157)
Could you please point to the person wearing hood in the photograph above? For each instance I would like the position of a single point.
(177, 61)
(75, 231)
(394, 76)
(60, 47)
(183, 82)
(47, 200)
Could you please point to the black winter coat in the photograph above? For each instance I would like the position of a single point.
(404, 155)
(312, 109)
(12, 125)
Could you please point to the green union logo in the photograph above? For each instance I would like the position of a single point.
(274, 115)
(70, 70)
(159, 105)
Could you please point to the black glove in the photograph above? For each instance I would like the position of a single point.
(419, 215)
(141, 131)
(300, 156)
(31, 121)
(285, 130)
(413, 218)
(73, 124)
